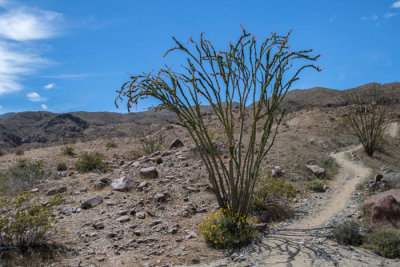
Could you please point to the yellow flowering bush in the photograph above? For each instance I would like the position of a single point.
(226, 229)
(26, 222)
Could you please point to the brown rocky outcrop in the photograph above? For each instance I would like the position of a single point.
(383, 209)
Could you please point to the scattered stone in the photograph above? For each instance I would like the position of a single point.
(100, 184)
(378, 177)
(173, 230)
(193, 189)
(315, 169)
(123, 219)
(68, 210)
(150, 213)
(98, 226)
(92, 202)
(122, 184)
(149, 172)
(34, 190)
(260, 227)
(132, 212)
(176, 144)
(141, 215)
(143, 184)
(158, 160)
(277, 171)
(160, 197)
(165, 153)
(122, 212)
(55, 191)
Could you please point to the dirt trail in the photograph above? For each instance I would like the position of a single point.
(304, 242)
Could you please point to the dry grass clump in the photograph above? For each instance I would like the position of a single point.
(90, 162)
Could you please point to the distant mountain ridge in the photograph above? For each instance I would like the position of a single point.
(46, 127)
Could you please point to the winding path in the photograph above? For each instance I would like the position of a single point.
(302, 243)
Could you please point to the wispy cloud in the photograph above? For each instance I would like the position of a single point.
(35, 97)
(333, 18)
(373, 17)
(67, 76)
(396, 4)
(22, 24)
(44, 106)
(18, 27)
(389, 15)
(49, 86)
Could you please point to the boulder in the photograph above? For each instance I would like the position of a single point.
(315, 169)
(276, 171)
(176, 144)
(383, 209)
(149, 172)
(92, 202)
(122, 184)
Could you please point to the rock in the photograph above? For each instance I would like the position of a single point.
(141, 215)
(100, 184)
(143, 184)
(55, 191)
(92, 202)
(68, 210)
(384, 209)
(98, 226)
(260, 227)
(34, 190)
(176, 144)
(158, 160)
(326, 187)
(122, 184)
(378, 177)
(123, 219)
(149, 172)
(173, 230)
(165, 153)
(160, 197)
(276, 171)
(315, 169)
(155, 154)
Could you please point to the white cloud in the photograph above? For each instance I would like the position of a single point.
(67, 76)
(22, 25)
(396, 4)
(44, 106)
(49, 86)
(333, 18)
(35, 97)
(374, 17)
(17, 56)
(389, 15)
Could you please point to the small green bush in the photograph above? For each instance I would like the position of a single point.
(316, 185)
(385, 243)
(111, 144)
(271, 199)
(91, 161)
(22, 175)
(151, 143)
(224, 229)
(68, 150)
(19, 152)
(348, 233)
(26, 223)
(61, 166)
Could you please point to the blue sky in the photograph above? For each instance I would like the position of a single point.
(63, 56)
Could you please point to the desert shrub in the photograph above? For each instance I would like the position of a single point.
(61, 166)
(316, 185)
(385, 243)
(26, 222)
(19, 152)
(111, 144)
(151, 143)
(246, 71)
(271, 199)
(91, 161)
(367, 115)
(22, 175)
(348, 233)
(68, 150)
(226, 229)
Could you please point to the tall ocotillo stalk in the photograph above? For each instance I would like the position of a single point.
(246, 73)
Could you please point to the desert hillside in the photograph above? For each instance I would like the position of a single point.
(143, 208)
